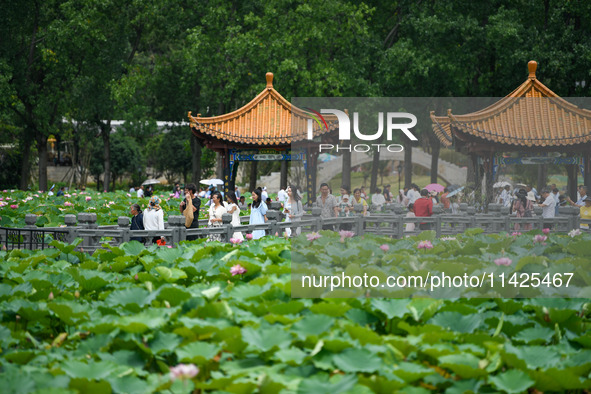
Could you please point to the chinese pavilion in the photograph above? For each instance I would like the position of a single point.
(263, 129)
(532, 120)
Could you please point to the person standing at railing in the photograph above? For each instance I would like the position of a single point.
(154, 218)
(216, 210)
(423, 207)
(444, 200)
(234, 210)
(358, 199)
(410, 214)
(378, 200)
(328, 205)
(523, 208)
(344, 207)
(137, 221)
(293, 209)
(258, 211)
(547, 207)
(413, 193)
(580, 202)
(190, 190)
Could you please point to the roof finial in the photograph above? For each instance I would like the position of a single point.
(269, 80)
(532, 66)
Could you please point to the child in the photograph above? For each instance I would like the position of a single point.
(410, 214)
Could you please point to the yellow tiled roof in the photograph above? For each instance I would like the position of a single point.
(268, 120)
(532, 116)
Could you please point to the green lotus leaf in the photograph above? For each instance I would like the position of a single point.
(197, 352)
(266, 338)
(312, 325)
(357, 360)
(464, 365)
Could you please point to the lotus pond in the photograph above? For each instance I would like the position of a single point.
(120, 319)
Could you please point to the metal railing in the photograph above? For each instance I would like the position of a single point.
(391, 221)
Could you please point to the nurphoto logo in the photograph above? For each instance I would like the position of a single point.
(392, 120)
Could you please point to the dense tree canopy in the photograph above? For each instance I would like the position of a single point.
(142, 61)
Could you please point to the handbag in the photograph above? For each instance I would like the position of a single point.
(188, 213)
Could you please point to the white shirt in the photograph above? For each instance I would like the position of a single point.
(132, 190)
(378, 199)
(506, 197)
(264, 195)
(282, 195)
(549, 210)
(153, 219)
(140, 193)
(413, 196)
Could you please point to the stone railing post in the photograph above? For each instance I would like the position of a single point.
(273, 217)
(30, 220)
(438, 226)
(123, 223)
(70, 222)
(177, 224)
(316, 211)
(227, 223)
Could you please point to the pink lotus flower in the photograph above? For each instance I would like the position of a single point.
(312, 236)
(14, 206)
(50, 297)
(183, 371)
(88, 198)
(237, 270)
(248, 236)
(385, 247)
(346, 234)
(36, 195)
(425, 245)
(503, 261)
(236, 241)
(546, 231)
(516, 233)
(128, 195)
(540, 238)
(68, 204)
(67, 195)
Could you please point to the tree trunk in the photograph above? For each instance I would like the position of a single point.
(25, 161)
(253, 175)
(375, 169)
(407, 163)
(42, 154)
(435, 148)
(106, 132)
(346, 177)
(196, 160)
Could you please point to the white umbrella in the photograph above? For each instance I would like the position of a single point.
(150, 182)
(456, 191)
(501, 184)
(211, 182)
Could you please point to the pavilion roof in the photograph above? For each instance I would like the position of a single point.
(268, 120)
(530, 116)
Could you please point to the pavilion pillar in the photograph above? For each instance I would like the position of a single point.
(283, 181)
(571, 186)
(253, 175)
(226, 171)
(487, 162)
(587, 168)
(311, 169)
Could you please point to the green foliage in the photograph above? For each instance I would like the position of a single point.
(74, 327)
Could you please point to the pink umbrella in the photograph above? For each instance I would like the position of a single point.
(435, 187)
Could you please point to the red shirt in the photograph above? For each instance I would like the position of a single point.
(423, 207)
(445, 200)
